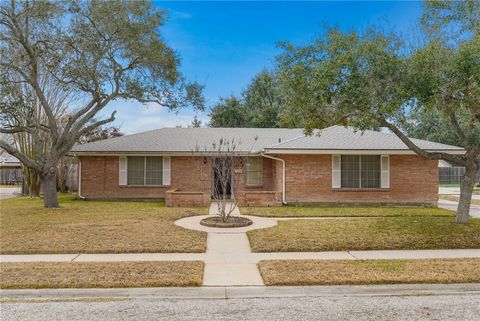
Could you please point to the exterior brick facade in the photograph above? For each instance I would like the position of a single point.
(413, 180)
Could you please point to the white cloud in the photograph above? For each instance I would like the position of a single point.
(133, 117)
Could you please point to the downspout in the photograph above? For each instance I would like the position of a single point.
(284, 199)
(80, 179)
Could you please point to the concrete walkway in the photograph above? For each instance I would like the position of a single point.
(229, 246)
(217, 256)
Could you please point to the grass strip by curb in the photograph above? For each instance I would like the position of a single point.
(364, 272)
(36, 275)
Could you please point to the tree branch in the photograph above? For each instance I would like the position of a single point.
(98, 124)
(21, 157)
(458, 129)
(454, 159)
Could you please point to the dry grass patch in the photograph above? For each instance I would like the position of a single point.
(344, 211)
(317, 272)
(37, 275)
(95, 227)
(456, 199)
(393, 233)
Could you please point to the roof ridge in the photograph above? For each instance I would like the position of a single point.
(287, 141)
(295, 138)
(411, 138)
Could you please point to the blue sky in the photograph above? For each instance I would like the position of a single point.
(224, 44)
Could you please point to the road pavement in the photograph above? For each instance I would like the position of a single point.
(382, 307)
(9, 192)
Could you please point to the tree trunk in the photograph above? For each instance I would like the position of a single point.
(466, 191)
(49, 183)
(31, 182)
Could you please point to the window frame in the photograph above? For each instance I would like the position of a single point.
(359, 170)
(145, 172)
(260, 171)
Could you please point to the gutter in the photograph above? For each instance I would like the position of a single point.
(79, 178)
(284, 200)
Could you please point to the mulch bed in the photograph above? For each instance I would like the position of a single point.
(232, 221)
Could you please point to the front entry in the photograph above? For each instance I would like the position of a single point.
(222, 178)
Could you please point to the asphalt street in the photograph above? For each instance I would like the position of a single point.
(463, 307)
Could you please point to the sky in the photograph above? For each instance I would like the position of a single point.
(224, 44)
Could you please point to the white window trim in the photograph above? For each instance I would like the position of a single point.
(336, 171)
(385, 179)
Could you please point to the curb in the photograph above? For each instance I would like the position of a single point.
(249, 292)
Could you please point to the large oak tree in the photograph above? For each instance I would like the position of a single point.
(98, 52)
(371, 81)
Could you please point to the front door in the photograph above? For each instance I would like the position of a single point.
(222, 178)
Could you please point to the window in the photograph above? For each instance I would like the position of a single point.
(360, 171)
(143, 170)
(254, 171)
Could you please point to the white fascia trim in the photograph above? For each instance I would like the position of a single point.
(196, 154)
(354, 151)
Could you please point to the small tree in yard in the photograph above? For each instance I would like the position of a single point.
(97, 51)
(372, 81)
(225, 176)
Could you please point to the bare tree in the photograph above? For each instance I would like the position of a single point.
(226, 168)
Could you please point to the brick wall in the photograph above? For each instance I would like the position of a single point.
(100, 178)
(413, 180)
(188, 174)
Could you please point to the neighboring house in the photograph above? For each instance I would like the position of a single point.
(10, 169)
(336, 165)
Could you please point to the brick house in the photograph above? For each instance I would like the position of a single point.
(336, 165)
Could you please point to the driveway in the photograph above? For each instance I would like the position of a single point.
(451, 205)
(9, 192)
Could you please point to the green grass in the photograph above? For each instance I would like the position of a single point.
(393, 233)
(347, 211)
(95, 227)
(9, 186)
(329, 272)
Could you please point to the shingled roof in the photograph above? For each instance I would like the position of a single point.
(255, 140)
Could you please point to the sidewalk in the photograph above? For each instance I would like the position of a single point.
(226, 257)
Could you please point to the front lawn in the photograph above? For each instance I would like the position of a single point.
(37, 275)
(317, 272)
(95, 227)
(393, 233)
(337, 211)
